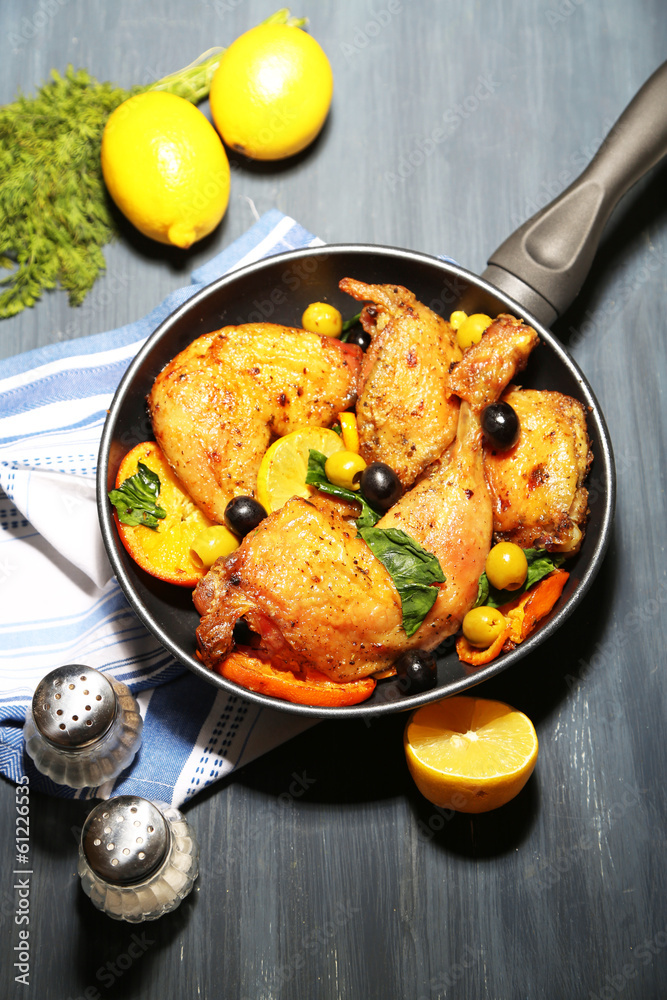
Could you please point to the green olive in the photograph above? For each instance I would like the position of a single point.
(471, 329)
(483, 625)
(212, 543)
(506, 566)
(323, 319)
(457, 317)
(342, 467)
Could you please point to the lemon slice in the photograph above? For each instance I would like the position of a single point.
(470, 754)
(282, 473)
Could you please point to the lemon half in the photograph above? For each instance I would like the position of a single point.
(470, 754)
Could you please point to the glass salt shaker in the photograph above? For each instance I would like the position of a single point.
(83, 728)
(137, 859)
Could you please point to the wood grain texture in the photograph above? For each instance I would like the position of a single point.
(356, 888)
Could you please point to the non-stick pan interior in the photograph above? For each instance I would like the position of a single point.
(277, 291)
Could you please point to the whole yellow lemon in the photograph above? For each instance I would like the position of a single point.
(271, 92)
(165, 168)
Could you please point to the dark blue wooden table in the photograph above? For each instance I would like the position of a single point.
(452, 122)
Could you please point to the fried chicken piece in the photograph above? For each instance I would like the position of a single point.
(489, 365)
(216, 406)
(449, 511)
(539, 499)
(406, 412)
(305, 580)
(306, 583)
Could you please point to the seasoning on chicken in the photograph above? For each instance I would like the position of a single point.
(449, 511)
(539, 499)
(489, 365)
(406, 413)
(217, 404)
(325, 596)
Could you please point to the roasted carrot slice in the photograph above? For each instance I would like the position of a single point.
(251, 670)
(522, 614)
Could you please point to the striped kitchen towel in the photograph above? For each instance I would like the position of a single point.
(59, 602)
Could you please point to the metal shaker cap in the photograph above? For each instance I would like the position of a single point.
(125, 839)
(73, 706)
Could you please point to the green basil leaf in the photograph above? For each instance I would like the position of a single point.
(412, 568)
(316, 476)
(540, 564)
(483, 591)
(135, 499)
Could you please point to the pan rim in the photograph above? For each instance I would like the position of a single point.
(604, 461)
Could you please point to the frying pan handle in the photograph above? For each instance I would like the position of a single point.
(544, 263)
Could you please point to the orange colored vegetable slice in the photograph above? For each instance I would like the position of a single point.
(307, 687)
(526, 611)
(164, 551)
(477, 657)
(522, 614)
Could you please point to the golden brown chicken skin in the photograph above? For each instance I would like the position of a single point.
(537, 487)
(489, 365)
(449, 511)
(216, 406)
(406, 413)
(305, 580)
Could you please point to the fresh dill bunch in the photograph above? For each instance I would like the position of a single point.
(55, 213)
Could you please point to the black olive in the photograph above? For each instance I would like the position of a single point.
(242, 514)
(500, 425)
(417, 671)
(360, 338)
(380, 485)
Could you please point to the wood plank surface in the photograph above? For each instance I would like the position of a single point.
(354, 887)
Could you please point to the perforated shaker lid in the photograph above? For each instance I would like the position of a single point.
(125, 839)
(73, 706)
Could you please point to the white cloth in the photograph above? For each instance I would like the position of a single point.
(59, 601)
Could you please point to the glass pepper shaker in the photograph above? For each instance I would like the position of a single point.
(137, 859)
(83, 728)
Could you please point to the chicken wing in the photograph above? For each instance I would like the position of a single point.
(215, 407)
(537, 487)
(406, 412)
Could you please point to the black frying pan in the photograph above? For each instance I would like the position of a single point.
(535, 274)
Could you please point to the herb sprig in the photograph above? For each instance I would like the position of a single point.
(135, 499)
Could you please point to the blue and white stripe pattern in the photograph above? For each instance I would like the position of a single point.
(59, 602)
